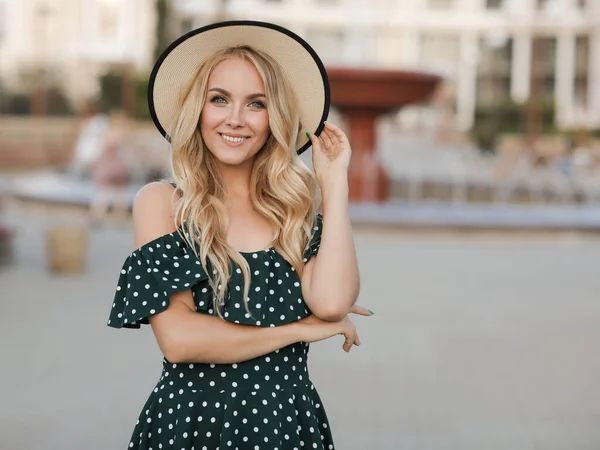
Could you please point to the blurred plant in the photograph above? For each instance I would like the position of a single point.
(163, 10)
(581, 137)
(15, 103)
(57, 103)
(110, 96)
(508, 117)
(19, 101)
(141, 104)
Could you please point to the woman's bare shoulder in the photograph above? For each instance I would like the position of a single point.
(153, 212)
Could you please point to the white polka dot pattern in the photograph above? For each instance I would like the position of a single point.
(265, 403)
(148, 278)
(166, 265)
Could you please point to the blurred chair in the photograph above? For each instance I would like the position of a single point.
(585, 172)
(510, 168)
(548, 149)
(533, 170)
(447, 170)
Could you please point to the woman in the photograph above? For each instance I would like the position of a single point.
(235, 271)
(109, 172)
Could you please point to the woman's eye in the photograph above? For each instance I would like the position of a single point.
(217, 99)
(257, 104)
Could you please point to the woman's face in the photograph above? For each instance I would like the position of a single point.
(234, 121)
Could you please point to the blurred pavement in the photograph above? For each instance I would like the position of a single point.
(477, 343)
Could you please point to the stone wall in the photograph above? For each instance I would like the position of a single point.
(30, 142)
(34, 143)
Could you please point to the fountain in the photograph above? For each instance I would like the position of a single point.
(361, 96)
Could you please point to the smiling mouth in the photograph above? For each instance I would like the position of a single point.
(232, 139)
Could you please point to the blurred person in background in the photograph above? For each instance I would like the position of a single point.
(109, 171)
(234, 268)
(90, 142)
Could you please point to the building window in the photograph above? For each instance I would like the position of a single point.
(440, 52)
(328, 43)
(494, 4)
(108, 17)
(388, 45)
(441, 4)
(3, 19)
(541, 5)
(187, 24)
(543, 67)
(494, 72)
(582, 65)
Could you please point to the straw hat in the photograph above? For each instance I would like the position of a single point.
(301, 65)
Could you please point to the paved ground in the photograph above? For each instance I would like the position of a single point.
(477, 344)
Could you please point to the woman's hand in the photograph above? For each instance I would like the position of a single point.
(331, 154)
(314, 329)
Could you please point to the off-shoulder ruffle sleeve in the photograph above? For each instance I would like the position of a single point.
(315, 241)
(148, 278)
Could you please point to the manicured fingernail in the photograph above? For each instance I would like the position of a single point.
(308, 134)
(370, 311)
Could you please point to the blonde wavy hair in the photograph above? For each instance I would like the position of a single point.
(282, 188)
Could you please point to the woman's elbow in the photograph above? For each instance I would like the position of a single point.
(173, 349)
(173, 354)
(330, 314)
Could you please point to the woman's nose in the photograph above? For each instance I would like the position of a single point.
(235, 118)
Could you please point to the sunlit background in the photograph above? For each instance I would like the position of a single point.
(475, 197)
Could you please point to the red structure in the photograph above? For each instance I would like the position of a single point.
(363, 95)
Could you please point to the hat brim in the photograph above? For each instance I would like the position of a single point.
(301, 66)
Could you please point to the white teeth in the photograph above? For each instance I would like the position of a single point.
(233, 139)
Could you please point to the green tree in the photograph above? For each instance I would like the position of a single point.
(163, 11)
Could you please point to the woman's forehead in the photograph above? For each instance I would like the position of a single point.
(237, 76)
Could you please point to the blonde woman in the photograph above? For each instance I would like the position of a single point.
(234, 269)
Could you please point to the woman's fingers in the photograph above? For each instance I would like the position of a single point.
(360, 310)
(351, 339)
(319, 146)
(337, 132)
(325, 136)
(348, 341)
(315, 141)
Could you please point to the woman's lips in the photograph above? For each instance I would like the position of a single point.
(233, 143)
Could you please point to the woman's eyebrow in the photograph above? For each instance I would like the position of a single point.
(224, 92)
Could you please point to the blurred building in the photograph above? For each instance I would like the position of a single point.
(491, 50)
(70, 43)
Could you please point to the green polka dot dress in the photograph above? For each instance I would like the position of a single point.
(265, 403)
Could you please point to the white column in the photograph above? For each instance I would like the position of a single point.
(470, 5)
(417, 4)
(467, 81)
(594, 77)
(520, 7)
(411, 48)
(359, 48)
(564, 88)
(520, 78)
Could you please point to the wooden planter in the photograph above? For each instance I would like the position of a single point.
(67, 249)
(6, 247)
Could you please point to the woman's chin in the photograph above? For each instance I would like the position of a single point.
(232, 160)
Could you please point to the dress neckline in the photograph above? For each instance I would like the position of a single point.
(264, 250)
